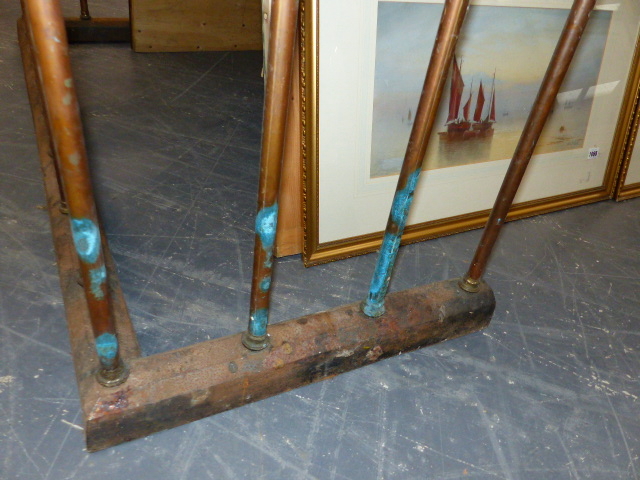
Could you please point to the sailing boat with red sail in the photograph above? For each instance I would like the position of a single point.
(463, 127)
(477, 114)
(484, 127)
(456, 125)
(467, 105)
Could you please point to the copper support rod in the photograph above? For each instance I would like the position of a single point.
(278, 81)
(451, 21)
(35, 96)
(51, 52)
(558, 67)
(84, 10)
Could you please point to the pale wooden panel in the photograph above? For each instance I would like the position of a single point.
(191, 25)
(290, 230)
(194, 25)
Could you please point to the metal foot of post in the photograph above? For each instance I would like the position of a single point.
(372, 310)
(254, 343)
(113, 377)
(64, 208)
(468, 284)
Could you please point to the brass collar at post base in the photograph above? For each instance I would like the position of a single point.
(254, 343)
(113, 378)
(63, 207)
(469, 284)
(372, 310)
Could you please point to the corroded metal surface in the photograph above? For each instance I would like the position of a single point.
(278, 82)
(50, 51)
(181, 386)
(80, 330)
(444, 46)
(173, 388)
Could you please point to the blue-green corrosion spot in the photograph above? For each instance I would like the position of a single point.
(265, 284)
(86, 238)
(107, 347)
(266, 224)
(97, 278)
(402, 201)
(374, 304)
(258, 322)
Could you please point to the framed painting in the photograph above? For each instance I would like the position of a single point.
(362, 67)
(628, 183)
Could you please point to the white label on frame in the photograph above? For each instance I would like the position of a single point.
(593, 153)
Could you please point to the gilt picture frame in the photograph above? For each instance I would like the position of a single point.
(357, 92)
(628, 181)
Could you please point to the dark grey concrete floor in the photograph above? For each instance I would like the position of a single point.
(549, 391)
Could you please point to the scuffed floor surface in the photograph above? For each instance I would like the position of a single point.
(549, 391)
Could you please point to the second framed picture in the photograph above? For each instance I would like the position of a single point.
(363, 64)
(628, 182)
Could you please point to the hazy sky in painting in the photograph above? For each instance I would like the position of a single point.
(516, 42)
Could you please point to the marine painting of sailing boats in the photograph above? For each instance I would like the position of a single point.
(465, 127)
(499, 63)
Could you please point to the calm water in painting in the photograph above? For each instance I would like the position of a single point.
(516, 44)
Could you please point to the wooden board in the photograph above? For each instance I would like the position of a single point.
(194, 25)
(179, 26)
(172, 388)
(290, 231)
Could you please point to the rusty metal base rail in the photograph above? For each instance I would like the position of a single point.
(180, 386)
